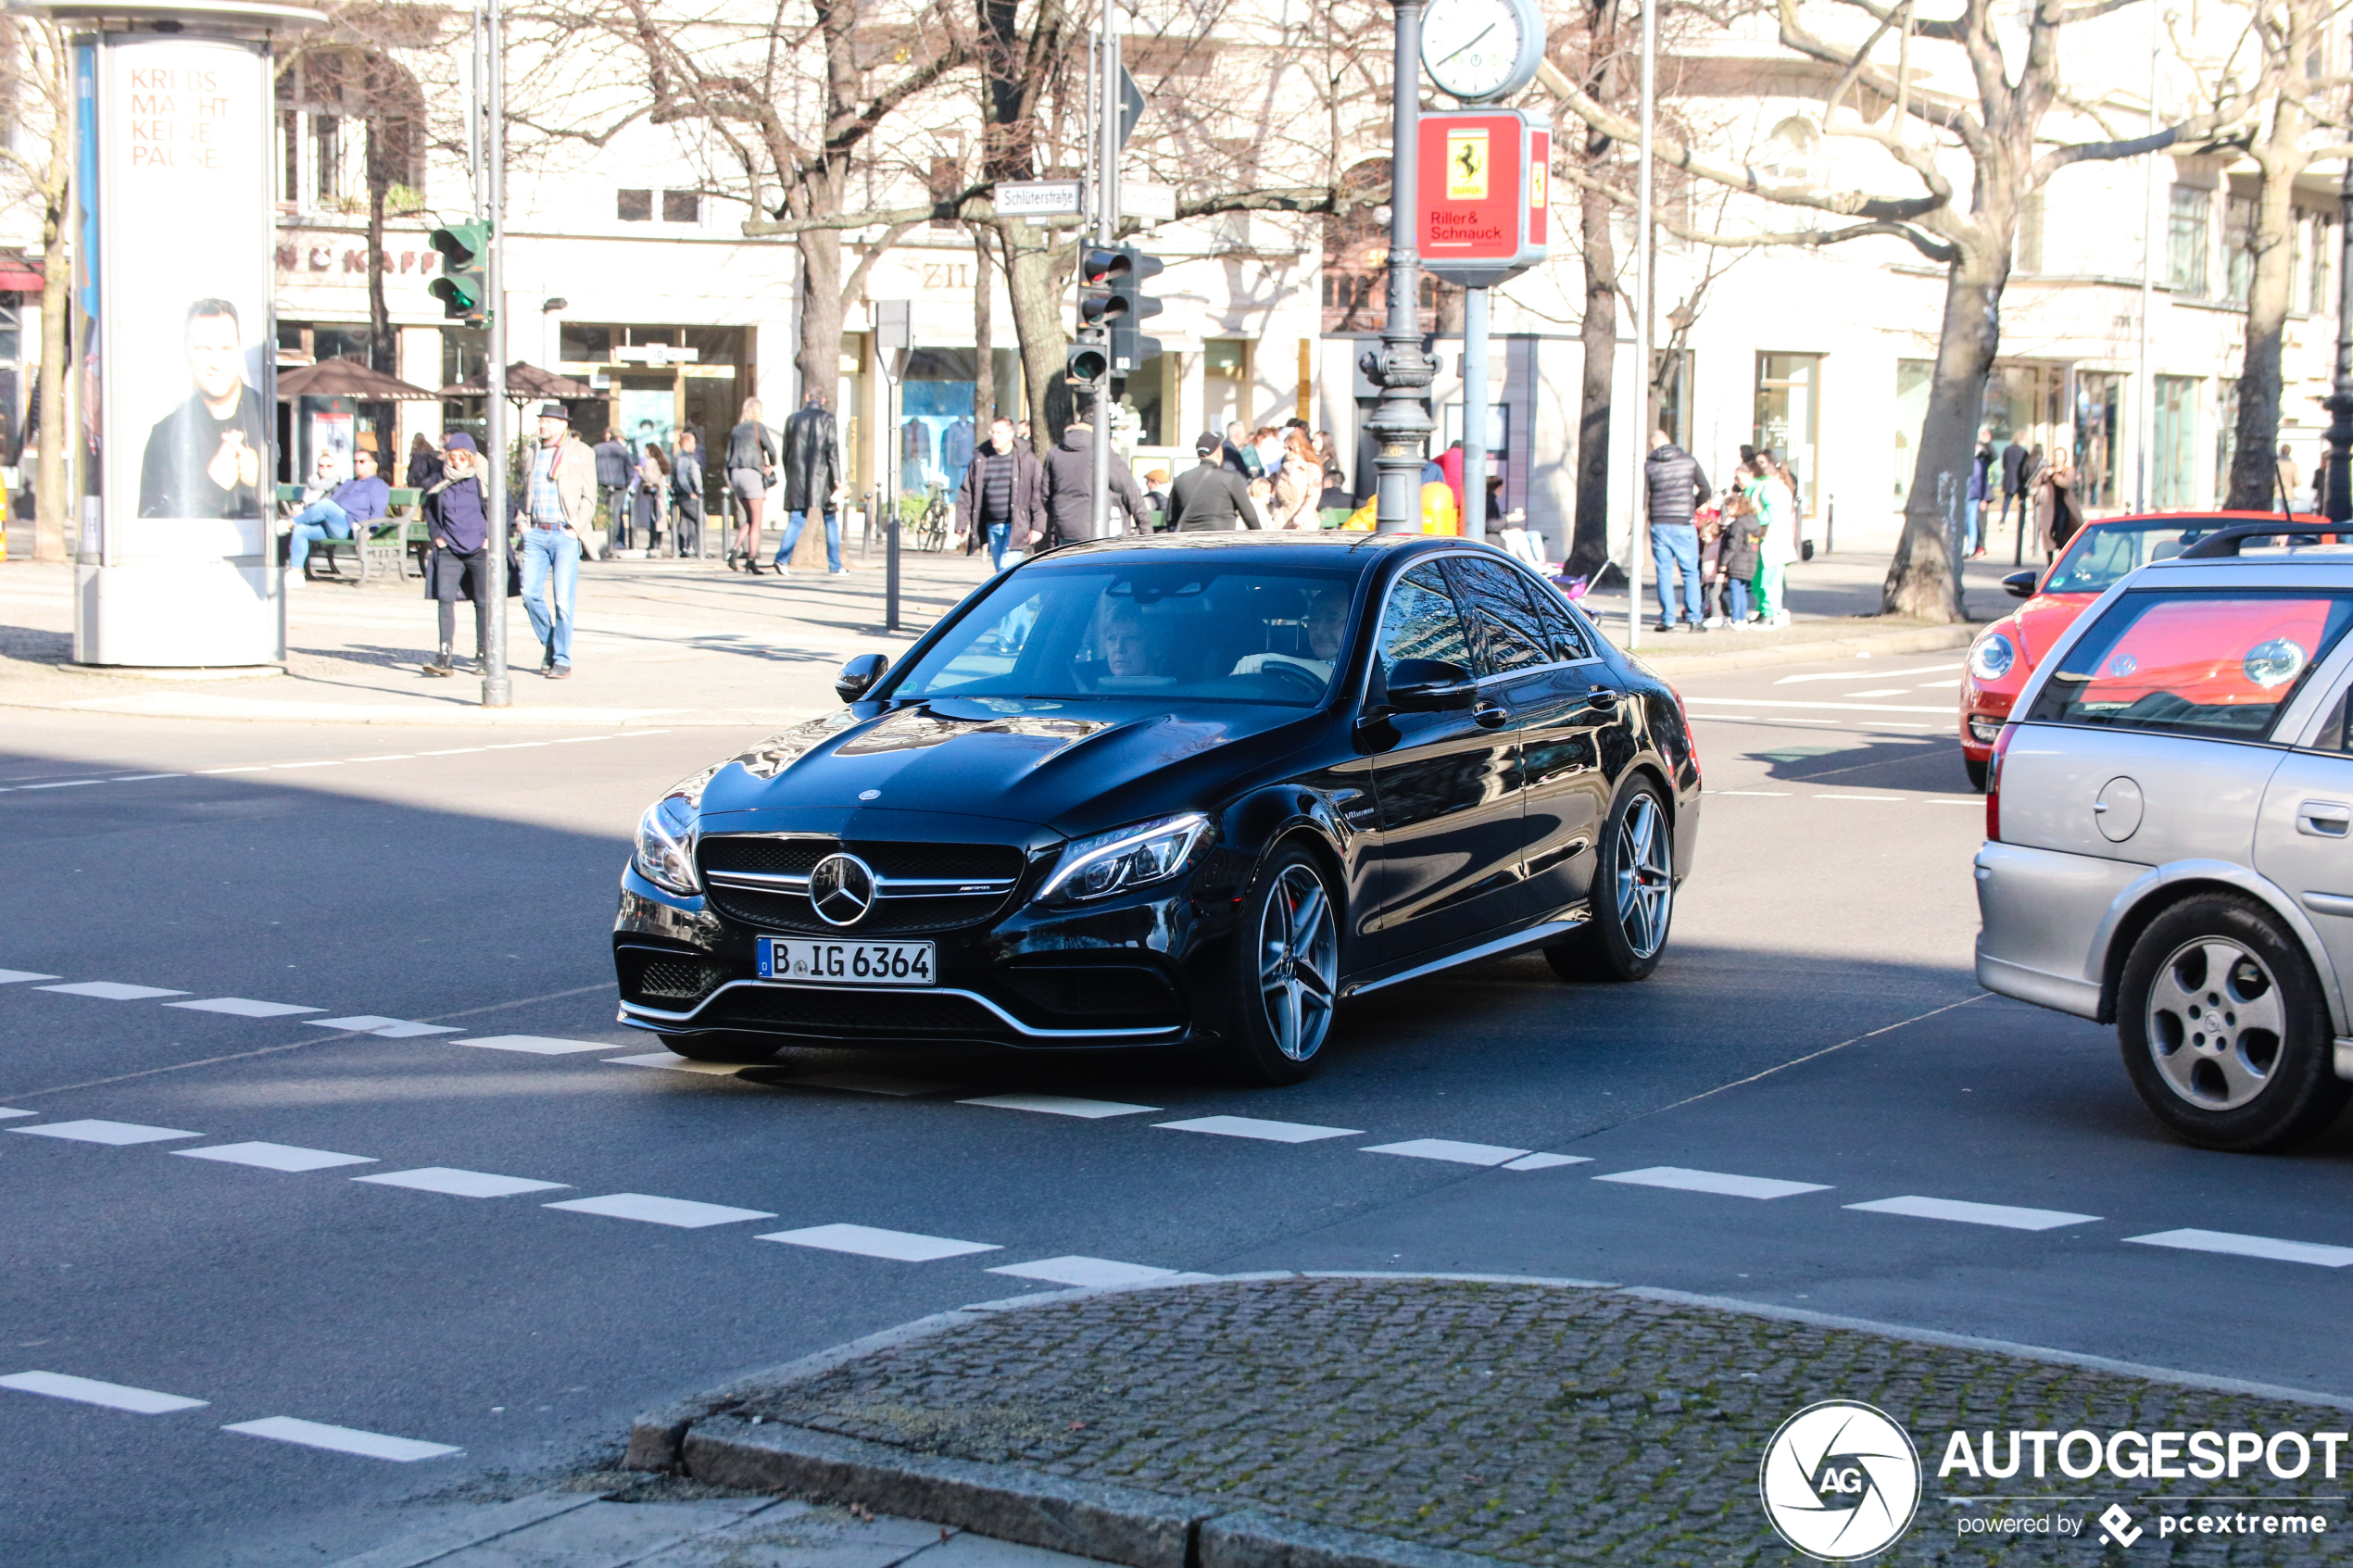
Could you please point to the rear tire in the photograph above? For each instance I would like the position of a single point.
(2224, 1030)
(1977, 772)
(746, 1049)
(1633, 896)
(1286, 971)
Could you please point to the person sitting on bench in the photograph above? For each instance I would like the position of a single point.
(360, 500)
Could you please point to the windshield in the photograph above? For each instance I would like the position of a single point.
(1186, 630)
(2105, 551)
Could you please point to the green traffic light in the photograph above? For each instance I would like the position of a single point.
(463, 287)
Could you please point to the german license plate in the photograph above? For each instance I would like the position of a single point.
(847, 963)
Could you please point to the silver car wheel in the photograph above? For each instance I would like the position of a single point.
(1298, 957)
(2215, 1023)
(1646, 873)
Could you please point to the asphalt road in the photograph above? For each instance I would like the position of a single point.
(1814, 1041)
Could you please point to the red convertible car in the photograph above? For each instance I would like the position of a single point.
(2007, 652)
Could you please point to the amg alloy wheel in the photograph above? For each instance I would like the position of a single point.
(1287, 970)
(2223, 1030)
(1633, 895)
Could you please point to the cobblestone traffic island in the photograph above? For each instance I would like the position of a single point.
(1534, 1423)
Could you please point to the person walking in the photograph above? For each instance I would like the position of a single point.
(1070, 489)
(751, 469)
(653, 488)
(614, 478)
(1299, 484)
(2020, 465)
(1981, 476)
(685, 490)
(1002, 496)
(357, 502)
(2289, 478)
(557, 506)
(1674, 487)
(2056, 510)
(424, 464)
(1776, 505)
(1210, 497)
(812, 483)
(458, 522)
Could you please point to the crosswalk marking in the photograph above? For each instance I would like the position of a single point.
(1252, 1127)
(274, 1156)
(89, 1391)
(454, 1182)
(244, 1006)
(2002, 1214)
(383, 1028)
(1682, 1180)
(5, 1112)
(534, 1045)
(683, 1212)
(1448, 1149)
(111, 991)
(1062, 1104)
(15, 976)
(1093, 1272)
(2237, 1246)
(1546, 1162)
(904, 1247)
(113, 1133)
(342, 1440)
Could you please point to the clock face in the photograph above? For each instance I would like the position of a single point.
(1476, 49)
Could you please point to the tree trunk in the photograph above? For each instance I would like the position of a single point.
(1920, 580)
(1032, 282)
(1589, 550)
(2254, 466)
(382, 354)
(984, 350)
(54, 507)
(819, 358)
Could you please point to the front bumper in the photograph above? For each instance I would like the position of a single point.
(1983, 709)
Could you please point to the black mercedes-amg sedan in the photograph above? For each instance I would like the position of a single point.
(1186, 791)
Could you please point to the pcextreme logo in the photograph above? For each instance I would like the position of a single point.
(1840, 1481)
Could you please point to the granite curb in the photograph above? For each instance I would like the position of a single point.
(1672, 660)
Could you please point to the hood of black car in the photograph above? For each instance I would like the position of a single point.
(1029, 761)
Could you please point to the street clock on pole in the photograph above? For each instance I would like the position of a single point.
(1478, 51)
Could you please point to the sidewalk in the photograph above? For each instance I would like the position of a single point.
(662, 642)
(1384, 1422)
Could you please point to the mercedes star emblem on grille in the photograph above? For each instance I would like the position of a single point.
(841, 888)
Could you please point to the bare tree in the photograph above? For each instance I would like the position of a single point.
(39, 84)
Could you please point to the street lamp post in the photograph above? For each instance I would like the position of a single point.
(497, 687)
(2339, 402)
(1401, 370)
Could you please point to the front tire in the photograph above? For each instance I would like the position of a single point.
(2225, 1031)
(745, 1050)
(1286, 971)
(1633, 897)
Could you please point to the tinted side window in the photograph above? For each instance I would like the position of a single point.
(1566, 638)
(2219, 664)
(1422, 621)
(1514, 634)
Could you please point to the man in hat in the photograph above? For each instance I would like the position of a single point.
(557, 507)
(1210, 497)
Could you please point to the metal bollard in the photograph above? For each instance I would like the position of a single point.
(890, 576)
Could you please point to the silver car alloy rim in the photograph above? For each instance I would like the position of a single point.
(1298, 955)
(1645, 875)
(2215, 1023)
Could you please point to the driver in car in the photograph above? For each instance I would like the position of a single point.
(1126, 642)
(1325, 619)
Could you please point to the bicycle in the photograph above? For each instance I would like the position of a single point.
(931, 528)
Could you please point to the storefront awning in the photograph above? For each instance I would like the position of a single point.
(19, 277)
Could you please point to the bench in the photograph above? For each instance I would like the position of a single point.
(389, 546)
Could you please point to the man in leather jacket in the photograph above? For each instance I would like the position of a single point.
(812, 481)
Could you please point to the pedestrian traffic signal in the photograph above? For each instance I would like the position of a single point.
(1110, 296)
(463, 287)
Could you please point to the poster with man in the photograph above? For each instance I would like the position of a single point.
(206, 458)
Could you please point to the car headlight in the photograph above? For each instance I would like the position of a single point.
(1992, 658)
(2274, 663)
(1130, 857)
(665, 852)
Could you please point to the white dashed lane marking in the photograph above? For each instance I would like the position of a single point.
(111, 991)
(1252, 1127)
(454, 1182)
(1062, 1104)
(14, 976)
(89, 1391)
(2236, 1245)
(1682, 1180)
(1448, 1149)
(1094, 1274)
(274, 1156)
(244, 1006)
(118, 1133)
(1546, 1162)
(904, 1247)
(682, 1213)
(534, 1045)
(341, 1439)
(2002, 1214)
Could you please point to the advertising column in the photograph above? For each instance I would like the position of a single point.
(177, 559)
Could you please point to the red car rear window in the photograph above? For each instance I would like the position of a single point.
(2216, 664)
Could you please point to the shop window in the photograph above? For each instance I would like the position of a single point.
(579, 344)
(1225, 382)
(682, 207)
(10, 337)
(2099, 409)
(636, 207)
(1144, 394)
(2186, 240)
(2320, 301)
(1788, 416)
(2174, 450)
(1912, 380)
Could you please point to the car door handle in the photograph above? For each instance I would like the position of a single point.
(1602, 697)
(2324, 819)
(1491, 716)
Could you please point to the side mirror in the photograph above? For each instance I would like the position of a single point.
(858, 676)
(1431, 685)
(2020, 585)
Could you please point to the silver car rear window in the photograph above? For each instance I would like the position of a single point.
(2222, 663)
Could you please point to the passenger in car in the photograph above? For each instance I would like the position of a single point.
(1325, 619)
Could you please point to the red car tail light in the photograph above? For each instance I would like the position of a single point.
(1994, 785)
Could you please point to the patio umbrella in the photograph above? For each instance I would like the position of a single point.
(525, 381)
(347, 378)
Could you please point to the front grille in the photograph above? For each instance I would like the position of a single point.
(849, 1014)
(776, 910)
(1107, 995)
(770, 857)
(790, 912)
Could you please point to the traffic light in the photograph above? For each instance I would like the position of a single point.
(463, 287)
(1111, 297)
(1088, 359)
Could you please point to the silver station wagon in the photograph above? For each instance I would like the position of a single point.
(2168, 831)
